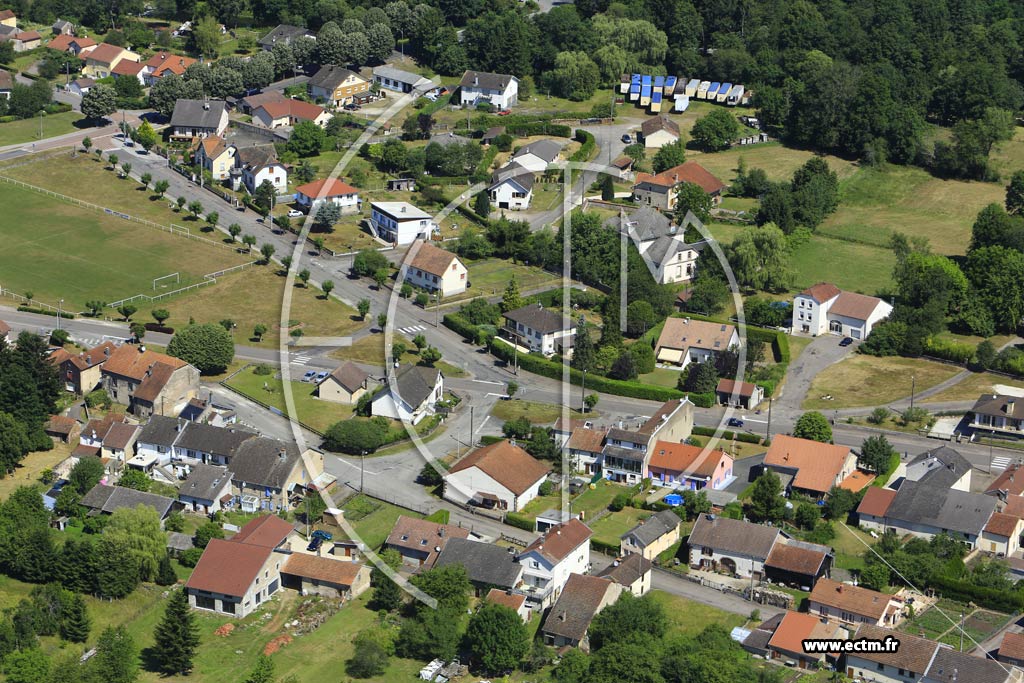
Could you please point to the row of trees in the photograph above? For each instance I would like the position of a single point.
(29, 387)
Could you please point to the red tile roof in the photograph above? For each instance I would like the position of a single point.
(822, 292)
(419, 535)
(727, 386)
(162, 62)
(796, 559)
(228, 567)
(505, 599)
(689, 172)
(338, 572)
(61, 424)
(61, 43)
(268, 531)
(589, 440)
(105, 53)
(7, 14)
(83, 43)
(509, 465)
(1002, 524)
(855, 306)
(334, 188)
(94, 356)
(296, 109)
(818, 465)
(133, 361)
(797, 627)
(876, 502)
(559, 541)
(1011, 481)
(1012, 646)
(853, 599)
(26, 36)
(127, 68)
(684, 458)
(856, 481)
(1014, 506)
(433, 260)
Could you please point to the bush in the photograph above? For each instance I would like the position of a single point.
(948, 350)
(525, 130)
(262, 369)
(620, 501)
(702, 400)
(520, 521)
(190, 558)
(157, 327)
(546, 488)
(42, 311)
(462, 327)
(97, 398)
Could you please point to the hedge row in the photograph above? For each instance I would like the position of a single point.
(589, 148)
(553, 369)
(601, 546)
(745, 437)
(157, 327)
(43, 311)
(488, 439)
(460, 326)
(520, 521)
(1003, 601)
(525, 130)
(948, 350)
(702, 400)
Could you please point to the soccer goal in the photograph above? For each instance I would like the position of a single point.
(160, 282)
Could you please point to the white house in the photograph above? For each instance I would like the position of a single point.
(437, 270)
(199, 118)
(79, 86)
(536, 156)
(387, 76)
(825, 308)
(498, 476)
(658, 131)
(539, 329)
(205, 489)
(731, 545)
(311, 195)
(480, 87)
(288, 112)
(684, 341)
(411, 396)
(661, 243)
(400, 222)
(511, 188)
(550, 560)
(259, 164)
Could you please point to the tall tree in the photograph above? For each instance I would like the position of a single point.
(176, 636)
(497, 637)
(813, 426)
(117, 656)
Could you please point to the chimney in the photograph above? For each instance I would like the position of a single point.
(440, 531)
(686, 320)
(282, 454)
(476, 80)
(106, 352)
(1009, 406)
(142, 348)
(675, 177)
(403, 209)
(561, 617)
(206, 106)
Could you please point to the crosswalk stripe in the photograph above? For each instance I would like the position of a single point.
(412, 328)
(1000, 463)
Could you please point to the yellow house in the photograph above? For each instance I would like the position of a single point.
(651, 537)
(216, 156)
(336, 85)
(437, 270)
(101, 60)
(345, 385)
(8, 18)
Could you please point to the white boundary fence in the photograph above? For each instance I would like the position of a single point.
(208, 279)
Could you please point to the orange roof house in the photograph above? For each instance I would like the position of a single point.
(500, 475)
(675, 464)
(814, 467)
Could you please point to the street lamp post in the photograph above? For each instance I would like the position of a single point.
(60, 302)
(913, 386)
(362, 457)
(583, 392)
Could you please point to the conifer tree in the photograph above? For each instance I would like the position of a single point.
(176, 636)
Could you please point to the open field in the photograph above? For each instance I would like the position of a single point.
(256, 296)
(973, 386)
(309, 409)
(875, 203)
(687, 617)
(861, 381)
(610, 528)
(28, 470)
(1008, 156)
(58, 250)
(857, 267)
(777, 161)
(537, 413)
(489, 277)
(27, 130)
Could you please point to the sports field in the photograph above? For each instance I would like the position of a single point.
(58, 250)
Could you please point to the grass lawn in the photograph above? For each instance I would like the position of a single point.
(489, 277)
(858, 267)
(370, 349)
(687, 617)
(739, 450)
(78, 254)
(662, 377)
(546, 195)
(27, 130)
(542, 504)
(593, 500)
(372, 519)
(861, 380)
(537, 413)
(256, 295)
(797, 346)
(610, 528)
(777, 161)
(973, 386)
(27, 472)
(308, 409)
(875, 203)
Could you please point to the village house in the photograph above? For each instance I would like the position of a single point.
(580, 601)
(798, 563)
(658, 131)
(80, 46)
(310, 196)
(26, 40)
(514, 601)
(288, 112)
(8, 18)
(539, 329)
(480, 87)
(500, 475)
(259, 164)
(80, 86)
(624, 167)
(810, 467)
(550, 560)
(273, 475)
(661, 243)
(163, 63)
(419, 541)
(324, 576)
(199, 118)
(682, 466)
(411, 396)
(336, 85)
(684, 340)
(128, 69)
(511, 187)
(119, 443)
(796, 627)
(202, 443)
(943, 467)
(627, 453)
(148, 382)
(536, 156)
(206, 489)
(925, 511)
(63, 428)
(103, 499)
(390, 78)
(659, 190)
(1001, 534)
(81, 373)
(400, 223)
(284, 33)
(101, 60)
(730, 545)
(824, 308)
(652, 536)
(632, 572)
(1011, 649)
(492, 134)
(745, 395)
(234, 577)
(437, 270)
(216, 156)
(854, 604)
(346, 384)
(487, 565)
(6, 86)
(62, 28)
(998, 415)
(585, 446)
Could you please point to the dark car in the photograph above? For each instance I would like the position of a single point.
(627, 139)
(323, 535)
(846, 341)
(315, 544)
(735, 422)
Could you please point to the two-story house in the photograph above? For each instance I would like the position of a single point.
(259, 163)
(626, 456)
(481, 87)
(581, 600)
(148, 382)
(216, 156)
(658, 131)
(652, 536)
(511, 188)
(684, 340)
(539, 329)
(199, 118)
(336, 85)
(81, 373)
(419, 541)
(682, 466)
(206, 489)
(661, 243)
(288, 112)
(854, 604)
(273, 475)
(101, 60)
(550, 560)
(824, 308)
(437, 270)
(811, 467)
(400, 222)
(411, 396)
(387, 76)
(162, 64)
(731, 545)
(499, 476)
(310, 196)
(536, 156)
(346, 384)
(660, 190)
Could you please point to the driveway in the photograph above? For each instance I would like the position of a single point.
(819, 354)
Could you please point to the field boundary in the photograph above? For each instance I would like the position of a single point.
(173, 229)
(208, 279)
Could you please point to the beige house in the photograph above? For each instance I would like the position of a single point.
(652, 536)
(632, 572)
(658, 131)
(8, 18)
(437, 270)
(81, 373)
(1002, 534)
(336, 85)
(582, 598)
(814, 468)
(854, 604)
(685, 340)
(345, 385)
(101, 60)
(272, 475)
(325, 576)
(659, 190)
(288, 112)
(148, 382)
(215, 155)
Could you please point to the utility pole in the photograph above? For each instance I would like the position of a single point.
(913, 386)
(60, 302)
(471, 440)
(583, 392)
(961, 629)
(362, 457)
(768, 430)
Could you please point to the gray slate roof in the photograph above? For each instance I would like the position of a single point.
(998, 405)
(539, 319)
(951, 666)
(733, 536)
(414, 383)
(159, 431)
(264, 462)
(257, 156)
(514, 172)
(545, 149)
(941, 467)
(330, 76)
(388, 71)
(285, 33)
(654, 527)
(103, 498)
(197, 113)
(179, 541)
(485, 80)
(577, 606)
(942, 508)
(204, 481)
(486, 564)
(214, 440)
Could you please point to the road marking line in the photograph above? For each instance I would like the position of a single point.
(482, 423)
(484, 381)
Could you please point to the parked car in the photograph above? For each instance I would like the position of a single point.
(735, 422)
(308, 377)
(315, 544)
(627, 139)
(325, 535)
(294, 213)
(504, 112)
(846, 341)
(321, 376)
